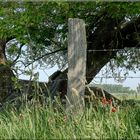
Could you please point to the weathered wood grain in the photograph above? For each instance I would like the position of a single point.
(76, 63)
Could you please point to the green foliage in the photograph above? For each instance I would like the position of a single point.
(42, 26)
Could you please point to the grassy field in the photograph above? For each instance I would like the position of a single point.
(126, 96)
(42, 122)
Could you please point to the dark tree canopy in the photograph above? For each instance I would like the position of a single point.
(36, 32)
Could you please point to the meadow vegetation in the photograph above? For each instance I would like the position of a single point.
(41, 121)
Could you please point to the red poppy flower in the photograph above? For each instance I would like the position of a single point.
(114, 109)
(109, 102)
(104, 101)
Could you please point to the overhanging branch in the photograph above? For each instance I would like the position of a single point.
(40, 57)
(19, 53)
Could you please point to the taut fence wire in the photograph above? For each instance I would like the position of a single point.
(101, 77)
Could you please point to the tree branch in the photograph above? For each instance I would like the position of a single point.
(40, 57)
(19, 53)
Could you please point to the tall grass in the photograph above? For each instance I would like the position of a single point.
(35, 121)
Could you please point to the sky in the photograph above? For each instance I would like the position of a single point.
(129, 82)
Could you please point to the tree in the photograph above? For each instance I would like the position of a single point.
(36, 33)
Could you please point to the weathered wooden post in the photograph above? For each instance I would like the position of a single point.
(76, 64)
(138, 91)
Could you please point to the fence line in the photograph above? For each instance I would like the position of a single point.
(67, 79)
(98, 77)
(58, 80)
(107, 50)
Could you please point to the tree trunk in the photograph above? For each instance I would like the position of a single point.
(6, 74)
(2, 52)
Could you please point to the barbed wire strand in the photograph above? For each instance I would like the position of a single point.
(125, 49)
(99, 77)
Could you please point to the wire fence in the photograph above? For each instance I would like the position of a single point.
(106, 50)
(98, 77)
(105, 77)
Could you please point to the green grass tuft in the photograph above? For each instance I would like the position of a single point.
(43, 122)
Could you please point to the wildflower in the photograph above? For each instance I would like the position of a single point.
(114, 109)
(104, 101)
(109, 102)
(65, 118)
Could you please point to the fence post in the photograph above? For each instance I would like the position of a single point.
(76, 64)
(138, 91)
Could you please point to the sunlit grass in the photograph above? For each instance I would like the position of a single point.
(43, 122)
(126, 96)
